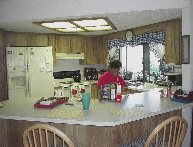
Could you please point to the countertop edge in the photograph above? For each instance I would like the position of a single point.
(92, 123)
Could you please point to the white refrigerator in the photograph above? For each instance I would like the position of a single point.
(30, 72)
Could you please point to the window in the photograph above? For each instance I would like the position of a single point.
(140, 62)
(132, 58)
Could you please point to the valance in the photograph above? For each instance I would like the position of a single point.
(152, 37)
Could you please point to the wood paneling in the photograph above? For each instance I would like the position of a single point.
(37, 39)
(91, 50)
(3, 70)
(77, 44)
(25, 39)
(11, 131)
(62, 44)
(15, 39)
(94, 91)
(173, 42)
(102, 51)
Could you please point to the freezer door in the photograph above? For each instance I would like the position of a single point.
(40, 72)
(16, 72)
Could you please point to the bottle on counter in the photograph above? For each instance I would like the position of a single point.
(169, 91)
(112, 87)
(118, 92)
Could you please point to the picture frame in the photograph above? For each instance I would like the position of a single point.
(185, 49)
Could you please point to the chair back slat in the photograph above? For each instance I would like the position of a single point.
(34, 138)
(54, 140)
(178, 133)
(157, 140)
(164, 136)
(170, 132)
(43, 135)
(40, 136)
(29, 140)
(47, 143)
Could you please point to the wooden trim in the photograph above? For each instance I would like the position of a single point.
(11, 131)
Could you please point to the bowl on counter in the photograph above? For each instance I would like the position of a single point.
(68, 81)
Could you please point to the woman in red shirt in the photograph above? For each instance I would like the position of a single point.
(112, 75)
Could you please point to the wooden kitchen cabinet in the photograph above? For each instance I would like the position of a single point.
(77, 44)
(70, 43)
(94, 91)
(15, 39)
(102, 51)
(37, 39)
(63, 44)
(91, 50)
(25, 39)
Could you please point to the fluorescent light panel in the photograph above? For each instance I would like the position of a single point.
(58, 25)
(71, 30)
(87, 23)
(99, 28)
(99, 24)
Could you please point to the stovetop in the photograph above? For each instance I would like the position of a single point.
(68, 74)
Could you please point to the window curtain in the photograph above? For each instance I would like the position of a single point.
(160, 52)
(150, 38)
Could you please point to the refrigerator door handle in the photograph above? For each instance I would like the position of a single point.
(29, 92)
(27, 66)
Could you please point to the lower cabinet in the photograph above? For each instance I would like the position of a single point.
(94, 91)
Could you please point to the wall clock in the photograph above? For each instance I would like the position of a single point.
(129, 35)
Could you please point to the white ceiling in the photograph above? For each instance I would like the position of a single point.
(121, 20)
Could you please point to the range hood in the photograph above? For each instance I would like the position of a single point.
(69, 55)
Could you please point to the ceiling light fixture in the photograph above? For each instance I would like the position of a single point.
(80, 25)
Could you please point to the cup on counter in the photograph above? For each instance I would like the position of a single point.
(86, 101)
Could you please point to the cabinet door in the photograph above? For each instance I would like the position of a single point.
(15, 39)
(102, 51)
(37, 40)
(63, 44)
(94, 91)
(91, 50)
(77, 44)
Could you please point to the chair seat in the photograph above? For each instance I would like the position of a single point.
(170, 132)
(141, 142)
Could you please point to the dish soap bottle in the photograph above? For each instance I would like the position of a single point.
(112, 91)
(118, 93)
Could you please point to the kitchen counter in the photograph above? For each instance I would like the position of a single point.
(139, 113)
(133, 107)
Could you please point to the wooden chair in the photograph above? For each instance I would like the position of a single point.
(170, 133)
(43, 135)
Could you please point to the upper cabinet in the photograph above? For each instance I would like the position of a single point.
(95, 50)
(77, 44)
(63, 44)
(15, 39)
(37, 39)
(70, 43)
(89, 45)
(91, 50)
(102, 50)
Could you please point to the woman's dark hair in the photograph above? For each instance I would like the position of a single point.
(116, 64)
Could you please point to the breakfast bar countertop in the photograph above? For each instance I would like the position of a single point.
(104, 113)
